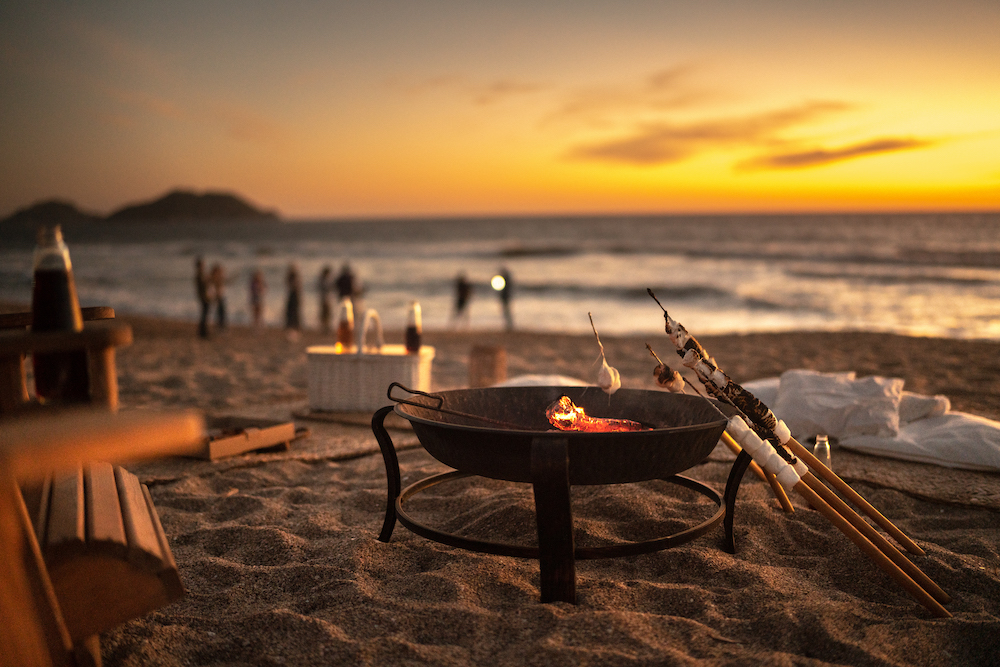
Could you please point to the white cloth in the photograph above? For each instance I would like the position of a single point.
(543, 381)
(859, 414)
(838, 404)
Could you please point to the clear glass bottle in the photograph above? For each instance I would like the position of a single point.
(345, 323)
(821, 450)
(59, 376)
(414, 328)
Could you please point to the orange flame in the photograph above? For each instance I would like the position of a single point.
(566, 416)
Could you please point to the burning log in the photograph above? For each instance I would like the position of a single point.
(567, 416)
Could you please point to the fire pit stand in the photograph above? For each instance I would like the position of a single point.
(550, 480)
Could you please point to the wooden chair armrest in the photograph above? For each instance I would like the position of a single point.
(93, 337)
(23, 320)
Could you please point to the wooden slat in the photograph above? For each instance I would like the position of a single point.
(66, 529)
(144, 549)
(13, 388)
(36, 498)
(105, 527)
(169, 576)
(22, 320)
(97, 335)
(36, 444)
(103, 377)
(32, 631)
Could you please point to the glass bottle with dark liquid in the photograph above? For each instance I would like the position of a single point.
(413, 329)
(345, 324)
(60, 377)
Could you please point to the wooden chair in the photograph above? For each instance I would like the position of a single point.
(84, 540)
(40, 613)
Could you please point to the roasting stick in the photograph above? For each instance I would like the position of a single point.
(774, 460)
(796, 476)
(697, 358)
(852, 495)
(670, 383)
(876, 538)
(856, 529)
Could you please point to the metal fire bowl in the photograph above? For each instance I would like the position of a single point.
(686, 429)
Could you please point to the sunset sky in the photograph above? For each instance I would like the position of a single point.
(346, 109)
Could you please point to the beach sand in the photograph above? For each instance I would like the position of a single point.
(279, 558)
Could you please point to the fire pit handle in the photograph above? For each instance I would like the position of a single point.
(440, 407)
(388, 393)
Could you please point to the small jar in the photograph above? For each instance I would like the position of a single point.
(821, 450)
(414, 328)
(345, 324)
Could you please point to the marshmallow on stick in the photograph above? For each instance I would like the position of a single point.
(695, 357)
(608, 378)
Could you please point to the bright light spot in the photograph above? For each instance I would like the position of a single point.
(498, 283)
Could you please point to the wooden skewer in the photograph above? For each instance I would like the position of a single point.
(776, 488)
(852, 495)
(876, 538)
(883, 561)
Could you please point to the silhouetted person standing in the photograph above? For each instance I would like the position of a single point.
(293, 306)
(325, 307)
(257, 289)
(346, 283)
(201, 286)
(218, 284)
(463, 294)
(505, 298)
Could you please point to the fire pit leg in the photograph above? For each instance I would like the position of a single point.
(391, 470)
(732, 487)
(554, 516)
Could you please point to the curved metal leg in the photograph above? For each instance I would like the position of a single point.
(554, 516)
(391, 470)
(732, 488)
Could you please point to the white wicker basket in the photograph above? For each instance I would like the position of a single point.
(349, 382)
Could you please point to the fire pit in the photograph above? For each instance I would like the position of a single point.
(503, 433)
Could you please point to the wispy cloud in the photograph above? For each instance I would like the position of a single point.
(148, 103)
(503, 89)
(664, 143)
(479, 93)
(668, 88)
(238, 121)
(243, 123)
(819, 157)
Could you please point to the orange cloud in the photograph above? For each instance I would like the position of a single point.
(500, 90)
(482, 94)
(663, 143)
(819, 157)
(663, 89)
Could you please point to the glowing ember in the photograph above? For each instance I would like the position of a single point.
(566, 416)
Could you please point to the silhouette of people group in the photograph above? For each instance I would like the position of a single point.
(210, 288)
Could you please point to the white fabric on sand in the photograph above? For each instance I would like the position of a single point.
(927, 430)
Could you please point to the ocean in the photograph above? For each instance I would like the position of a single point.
(916, 274)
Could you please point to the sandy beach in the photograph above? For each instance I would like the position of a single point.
(279, 558)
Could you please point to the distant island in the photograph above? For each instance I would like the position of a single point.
(186, 205)
(176, 205)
